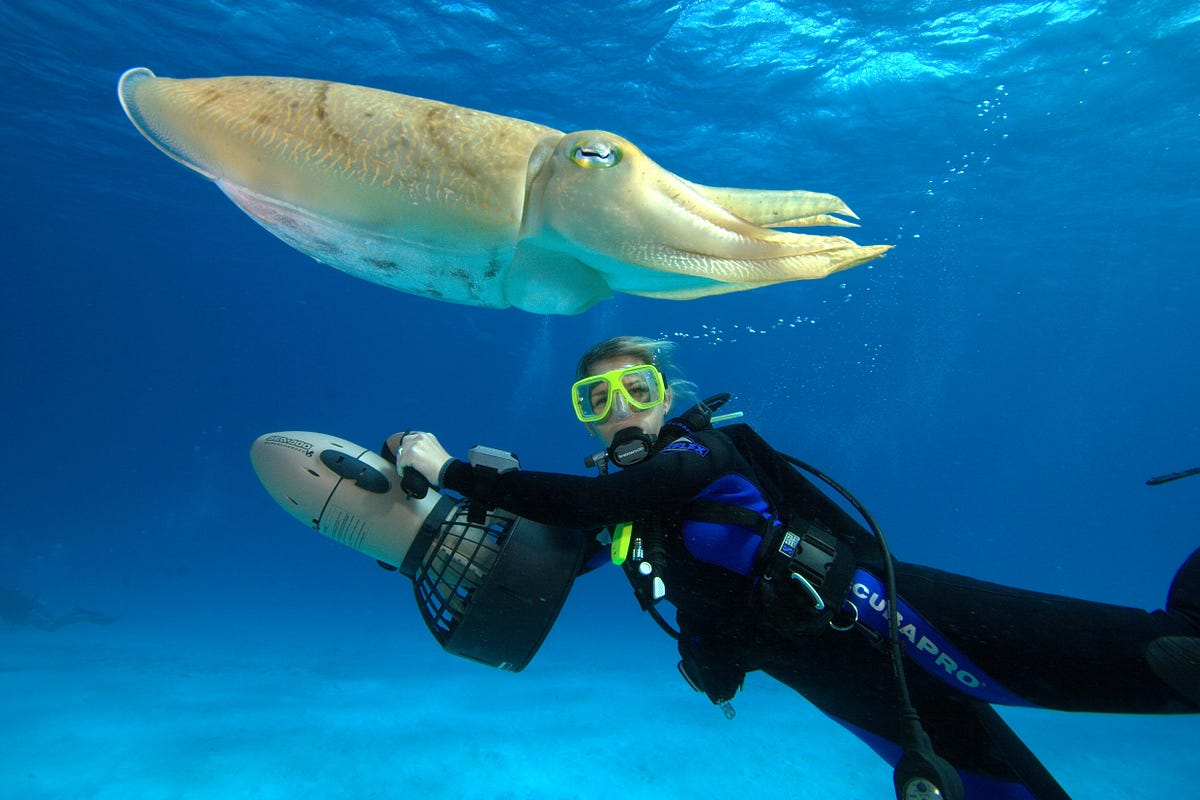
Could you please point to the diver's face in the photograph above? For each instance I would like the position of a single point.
(622, 415)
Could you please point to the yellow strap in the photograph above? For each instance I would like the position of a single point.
(621, 535)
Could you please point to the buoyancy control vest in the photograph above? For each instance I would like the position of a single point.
(803, 568)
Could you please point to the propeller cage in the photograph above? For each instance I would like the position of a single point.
(491, 591)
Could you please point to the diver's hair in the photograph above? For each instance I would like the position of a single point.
(645, 350)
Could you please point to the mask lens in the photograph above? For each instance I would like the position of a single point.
(642, 386)
(592, 399)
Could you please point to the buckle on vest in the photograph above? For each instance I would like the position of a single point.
(816, 596)
(799, 585)
(807, 558)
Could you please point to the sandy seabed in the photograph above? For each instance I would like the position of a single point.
(281, 712)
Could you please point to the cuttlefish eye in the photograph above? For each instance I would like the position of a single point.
(596, 154)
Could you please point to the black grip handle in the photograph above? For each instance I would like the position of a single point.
(414, 484)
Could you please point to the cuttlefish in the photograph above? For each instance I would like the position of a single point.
(472, 207)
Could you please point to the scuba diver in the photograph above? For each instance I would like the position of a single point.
(766, 572)
(21, 609)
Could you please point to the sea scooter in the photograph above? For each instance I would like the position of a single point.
(488, 585)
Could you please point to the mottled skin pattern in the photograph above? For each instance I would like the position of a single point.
(476, 208)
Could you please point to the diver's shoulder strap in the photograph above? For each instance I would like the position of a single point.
(726, 514)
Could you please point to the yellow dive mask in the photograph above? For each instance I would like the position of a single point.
(638, 387)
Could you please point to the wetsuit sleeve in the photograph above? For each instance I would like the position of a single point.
(663, 483)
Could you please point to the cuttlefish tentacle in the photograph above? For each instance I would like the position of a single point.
(780, 209)
(472, 207)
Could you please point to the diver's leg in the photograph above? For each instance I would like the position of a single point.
(1033, 774)
(1063, 653)
(851, 681)
(989, 756)
(1183, 598)
(1176, 659)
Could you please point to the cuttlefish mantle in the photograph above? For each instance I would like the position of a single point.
(471, 207)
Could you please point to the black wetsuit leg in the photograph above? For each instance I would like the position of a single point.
(1057, 652)
(1060, 652)
(848, 678)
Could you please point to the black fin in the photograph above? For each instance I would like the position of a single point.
(1176, 660)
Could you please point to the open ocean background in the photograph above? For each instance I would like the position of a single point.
(996, 390)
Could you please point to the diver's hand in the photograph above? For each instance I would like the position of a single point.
(424, 453)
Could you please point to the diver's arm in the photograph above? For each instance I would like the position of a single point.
(665, 482)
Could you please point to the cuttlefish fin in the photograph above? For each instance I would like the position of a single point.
(779, 209)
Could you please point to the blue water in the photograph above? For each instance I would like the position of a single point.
(996, 389)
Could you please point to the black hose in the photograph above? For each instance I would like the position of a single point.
(919, 758)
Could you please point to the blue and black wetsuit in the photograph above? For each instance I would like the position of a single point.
(979, 643)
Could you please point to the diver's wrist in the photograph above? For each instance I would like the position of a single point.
(441, 476)
(457, 475)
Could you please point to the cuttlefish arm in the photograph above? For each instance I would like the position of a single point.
(476, 208)
(613, 208)
(780, 209)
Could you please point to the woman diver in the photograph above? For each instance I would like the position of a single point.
(767, 573)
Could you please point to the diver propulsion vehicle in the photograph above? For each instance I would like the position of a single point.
(489, 586)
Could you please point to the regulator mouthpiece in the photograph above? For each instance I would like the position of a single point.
(630, 446)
